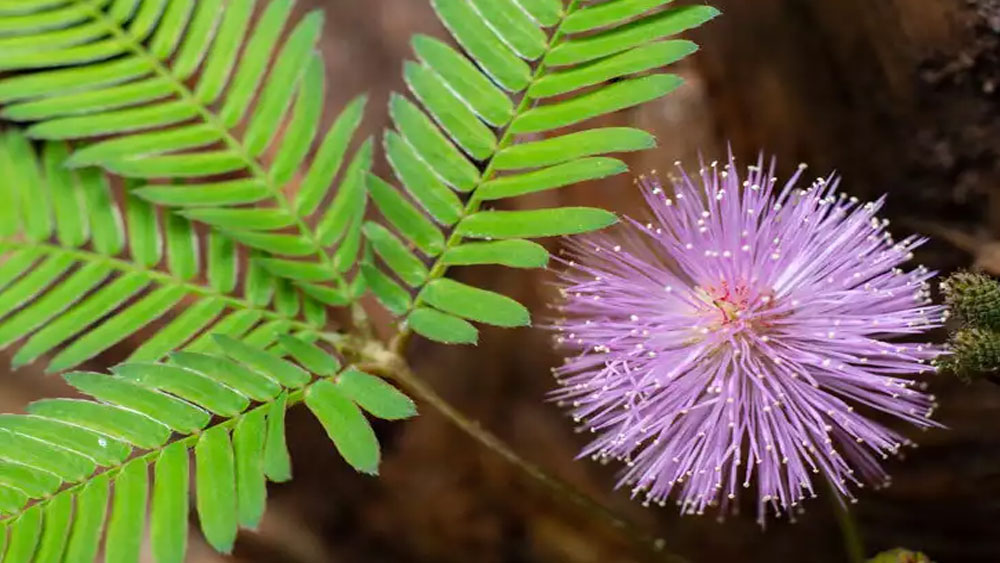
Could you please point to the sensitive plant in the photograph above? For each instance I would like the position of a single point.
(745, 336)
(166, 180)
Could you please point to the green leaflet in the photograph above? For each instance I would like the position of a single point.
(640, 59)
(103, 449)
(329, 157)
(34, 194)
(33, 483)
(66, 465)
(442, 327)
(169, 514)
(287, 245)
(344, 214)
(222, 263)
(248, 447)
(257, 53)
(277, 465)
(192, 321)
(610, 13)
(633, 34)
(345, 425)
(502, 65)
(230, 192)
(113, 97)
(55, 531)
(389, 293)
(182, 247)
(298, 138)
(565, 148)
(474, 304)
(128, 513)
(456, 119)
(125, 425)
(115, 329)
(194, 387)
(483, 97)
(145, 241)
(257, 218)
(24, 535)
(515, 253)
(609, 99)
(253, 384)
(535, 223)
(68, 202)
(513, 26)
(215, 470)
(408, 267)
(433, 147)
(171, 412)
(282, 81)
(420, 181)
(144, 145)
(376, 396)
(88, 521)
(405, 217)
(310, 356)
(295, 269)
(545, 12)
(281, 371)
(572, 172)
(11, 500)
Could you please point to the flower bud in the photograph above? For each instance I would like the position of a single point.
(974, 353)
(974, 298)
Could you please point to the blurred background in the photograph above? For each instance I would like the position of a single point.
(899, 96)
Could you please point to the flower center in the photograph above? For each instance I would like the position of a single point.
(733, 308)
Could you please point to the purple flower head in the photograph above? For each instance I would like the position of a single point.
(751, 334)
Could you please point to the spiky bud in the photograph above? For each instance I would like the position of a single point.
(974, 353)
(974, 298)
(900, 555)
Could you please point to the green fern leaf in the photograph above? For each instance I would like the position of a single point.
(169, 413)
(523, 67)
(89, 283)
(187, 91)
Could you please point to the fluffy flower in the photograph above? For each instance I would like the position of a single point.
(752, 334)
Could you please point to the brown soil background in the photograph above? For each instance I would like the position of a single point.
(900, 96)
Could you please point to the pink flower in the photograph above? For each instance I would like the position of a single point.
(745, 337)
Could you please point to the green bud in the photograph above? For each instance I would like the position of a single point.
(900, 555)
(974, 298)
(973, 353)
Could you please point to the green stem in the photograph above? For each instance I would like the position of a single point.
(853, 545)
(392, 366)
(439, 268)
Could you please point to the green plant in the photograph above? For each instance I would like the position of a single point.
(518, 89)
(244, 224)
(229, 411)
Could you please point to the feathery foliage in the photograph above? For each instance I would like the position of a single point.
(65, 458)
(529, 67)
(186, 91)
(214, 125)
(71, 271)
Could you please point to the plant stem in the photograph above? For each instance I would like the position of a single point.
(853, 545)
(393, 366)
